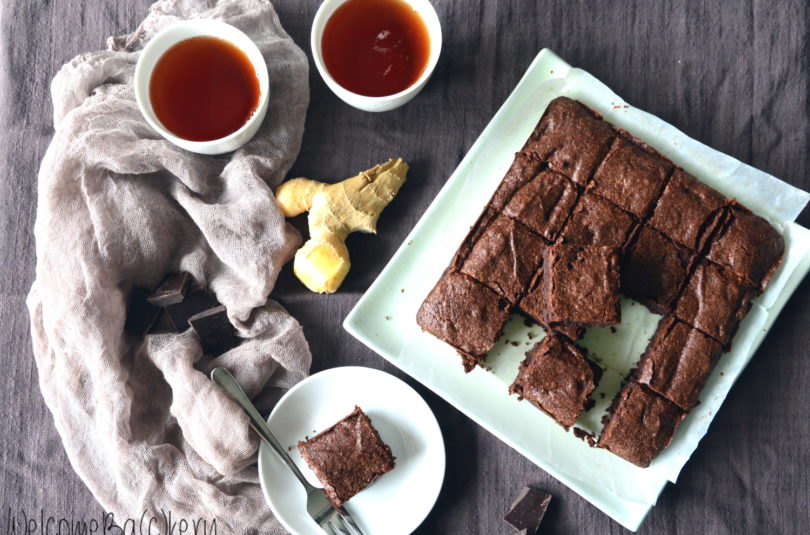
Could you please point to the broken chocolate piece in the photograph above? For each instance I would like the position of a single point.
(141, 314)
(214, 330)
(195, 302)
(172, 289)
(527, 511)
(163, 324)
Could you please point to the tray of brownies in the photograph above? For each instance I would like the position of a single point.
(591, 283)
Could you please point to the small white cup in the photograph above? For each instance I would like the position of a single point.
(181, 31)
(388, 102)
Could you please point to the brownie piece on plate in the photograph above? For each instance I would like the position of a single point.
(677, 362)
(580, 284)
(631, 176)
(641, 424)
(465, 314)
(655, 269)
(688, 210)
(571, 138)
(347, 457)
(523, 169)
(543, 204)
(504, 257)
(533, 305)
(748, 245)
(557, 378)
(596, 221)
(714, 300)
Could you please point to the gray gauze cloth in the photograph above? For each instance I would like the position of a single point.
(119, 207)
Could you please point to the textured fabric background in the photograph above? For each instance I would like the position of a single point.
(734, 75)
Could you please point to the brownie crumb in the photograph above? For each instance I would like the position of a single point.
(601, 395)
(402, 290)
(531, 335)
(613, 329)
(515, 343)
(388, 318)
(585, 436)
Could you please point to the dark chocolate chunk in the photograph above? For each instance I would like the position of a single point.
(163, 324)
(641, 424)
(571, 138)
(141, 314)
(557, 378)
(195, 302)
(171, 290)
(527, 511)
(347, 457)
(214, 330)
(631, 177)
(465, 314)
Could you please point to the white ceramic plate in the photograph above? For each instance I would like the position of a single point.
(384, 318)
(394, 504)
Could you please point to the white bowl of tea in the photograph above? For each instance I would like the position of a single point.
(376, 55)
(203, 85)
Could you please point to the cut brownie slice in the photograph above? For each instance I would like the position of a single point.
(655, 269)
(641, 424)
(523, 169)
(714, 300)
(748, 245)
(677, 362)
(631, 176)
(596, 221)
(504, 256)
(465, 314)
(688, 210)
(543, 204)
(347, 457)
(580, 284)
(533, 305)
(571, 138)
(557, 378)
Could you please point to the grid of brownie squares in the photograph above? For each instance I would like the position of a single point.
(578, 186)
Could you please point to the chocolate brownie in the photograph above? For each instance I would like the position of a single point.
(641, 424)
(655, 269)
(533, 305)
(557, 378)
(688, 210)
(347, 457)
(504, 257)
(580, 284)
(748, 245)
(543, 204)
(523, 169)
(465, 314)
(571, 138)
(631, 176)
(714, 300)
(677, 362)
(596, 221)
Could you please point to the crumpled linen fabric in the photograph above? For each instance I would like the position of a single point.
(118, 208)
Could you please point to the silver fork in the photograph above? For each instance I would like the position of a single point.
(334, 521)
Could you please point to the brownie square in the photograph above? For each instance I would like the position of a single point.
(504, 257)
(748, 245)
(523, 169)
(580, 284)
(557, 378)
(688, 210)
(571, 138)
(465, 314)
(677, 362)
(714, 300)
(347, 457)
(544, 203)
(641, 424)
(533, 305)
(596, 221)
(654, 270)
(631, 176)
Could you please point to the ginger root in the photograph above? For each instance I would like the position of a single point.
(335, 210)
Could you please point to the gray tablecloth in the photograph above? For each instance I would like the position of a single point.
(733, 75)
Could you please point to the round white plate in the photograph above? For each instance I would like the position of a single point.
(398, 501)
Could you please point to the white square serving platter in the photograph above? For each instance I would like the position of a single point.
(385, 317)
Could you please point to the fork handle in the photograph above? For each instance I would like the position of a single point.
(225, 380)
